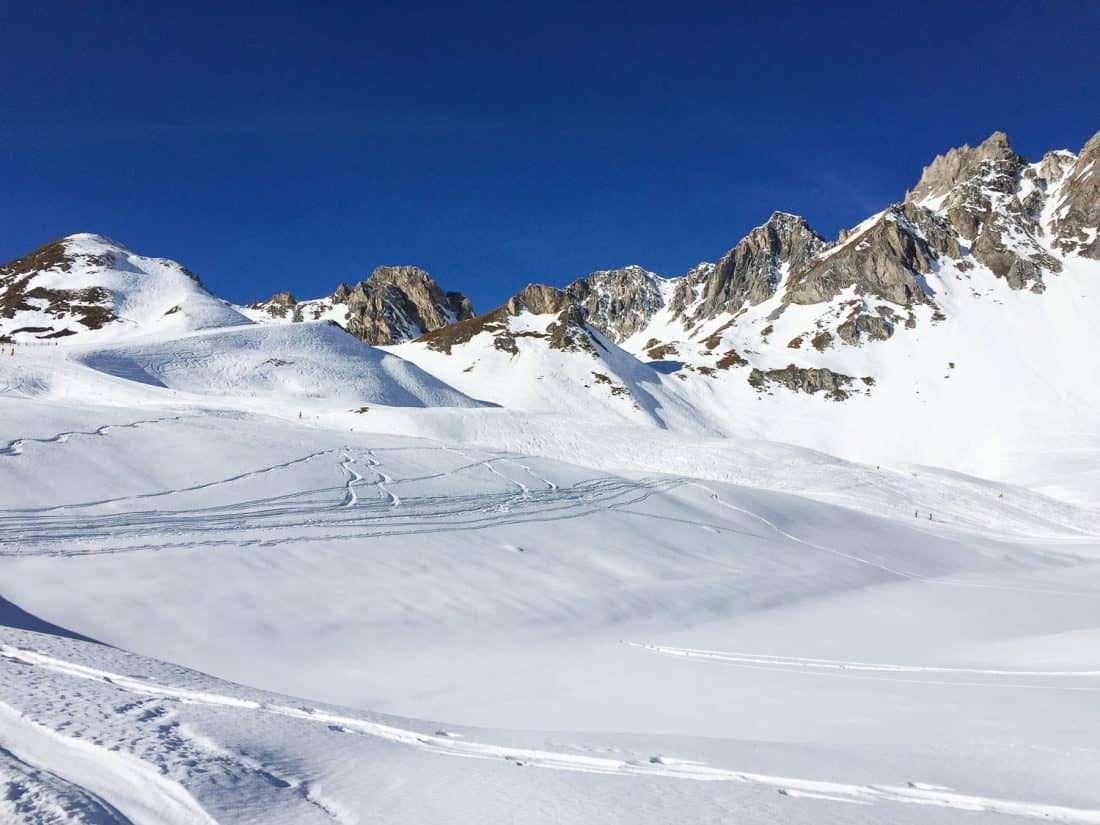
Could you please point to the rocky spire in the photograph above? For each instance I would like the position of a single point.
(962, 164)
(751, 271)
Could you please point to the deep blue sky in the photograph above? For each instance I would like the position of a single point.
(499, 145)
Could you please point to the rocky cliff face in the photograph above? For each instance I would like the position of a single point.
(619, 302)
(750, 272)
(395, 304)
(993, 199)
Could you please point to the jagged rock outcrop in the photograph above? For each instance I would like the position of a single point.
(750, 272)
(395, 304)
(993, 159)
(809, 380)
(618, 302)
(885, 260)
(861, 326)
(978, 190)
(540, 299)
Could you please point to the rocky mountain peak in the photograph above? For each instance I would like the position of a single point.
(750, 272)
(567, 331)
(394, 304)
(993, 159)
(884, 259)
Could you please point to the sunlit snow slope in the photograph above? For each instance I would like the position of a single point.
(420, 630)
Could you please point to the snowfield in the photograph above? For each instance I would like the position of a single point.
(318, 621)
(265, 573)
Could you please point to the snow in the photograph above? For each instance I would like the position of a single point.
(651, 642)
(309, 361)
(80, 779)
(261, 572)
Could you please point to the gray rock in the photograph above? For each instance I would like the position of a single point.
(618, 302)
(395, 304)
(804, 379)
(750, 272)
(884, 260)
(1076, 226)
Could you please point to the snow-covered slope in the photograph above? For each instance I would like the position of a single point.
(86, 284)
(536, 354)
(460, 635)
(313, 363)
(265, 573)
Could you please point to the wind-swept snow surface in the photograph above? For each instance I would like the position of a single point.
(431, 631)
(309, 361)
(269, 574)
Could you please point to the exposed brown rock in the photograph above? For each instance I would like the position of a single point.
(804, 379)
(750, 272)
(91, 306)
(618, 302)
(395, 304)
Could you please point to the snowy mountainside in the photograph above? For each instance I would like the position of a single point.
(87, 302)
(806, 535)
(977, 217)
(87, 283)
(536, 354)
(964, 302)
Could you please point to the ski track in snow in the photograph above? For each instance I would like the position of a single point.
(855, 668)
(15, 447)
(383, 480)
(34, 794)
(280, 519)
(101, 785)
(915, 793)
(351, 498)
(904, 574)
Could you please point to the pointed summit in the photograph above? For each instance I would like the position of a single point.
(751, 271)
(959, 165)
